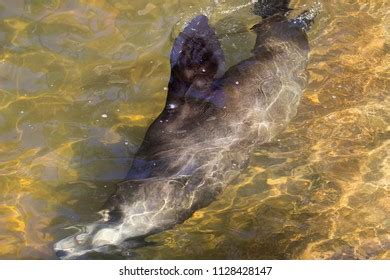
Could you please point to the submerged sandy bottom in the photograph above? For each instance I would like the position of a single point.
(80, 81)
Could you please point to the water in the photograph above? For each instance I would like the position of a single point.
(80, 81)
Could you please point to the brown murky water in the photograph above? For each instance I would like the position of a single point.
(81, 80)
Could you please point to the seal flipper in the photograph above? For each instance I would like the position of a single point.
(268, 8)
(306, 19)
(196, 59)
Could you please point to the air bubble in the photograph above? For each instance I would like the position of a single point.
(171, 106)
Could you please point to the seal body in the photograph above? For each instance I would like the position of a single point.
(205, 135)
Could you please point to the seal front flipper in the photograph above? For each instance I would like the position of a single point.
(196, 59)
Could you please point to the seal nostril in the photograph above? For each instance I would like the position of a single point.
(61, 253)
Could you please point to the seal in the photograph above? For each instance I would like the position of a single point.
(212, 121)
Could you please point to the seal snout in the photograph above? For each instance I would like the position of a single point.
(61, 254)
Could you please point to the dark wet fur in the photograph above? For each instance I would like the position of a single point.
(267, 8)
(202, 105)
(196, 82)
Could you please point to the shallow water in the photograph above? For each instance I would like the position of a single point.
(80, 81)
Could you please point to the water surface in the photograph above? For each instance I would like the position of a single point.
(80, 81)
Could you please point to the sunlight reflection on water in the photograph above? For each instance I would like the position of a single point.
(80, 81)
